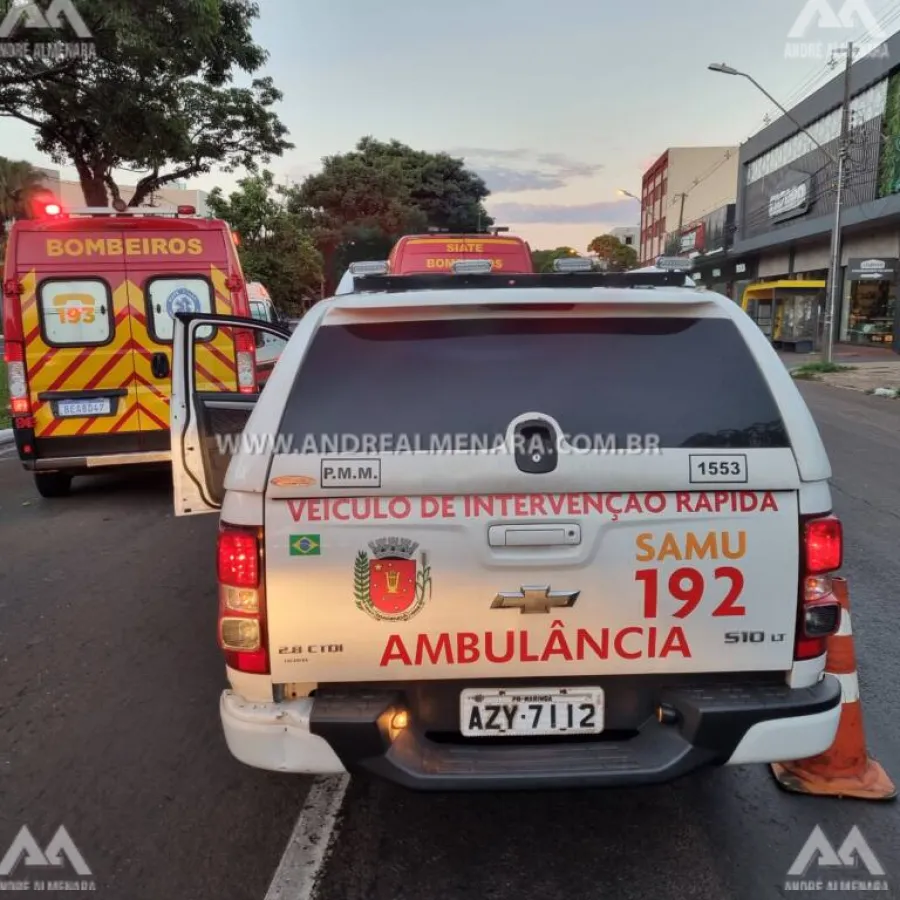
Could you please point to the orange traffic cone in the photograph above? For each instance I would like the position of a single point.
(845, 769)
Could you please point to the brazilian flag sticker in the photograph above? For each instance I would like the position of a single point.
(305, 545)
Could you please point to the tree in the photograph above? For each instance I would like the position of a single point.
(154, 95)
(276, 246)
(364, 200)
(619, 257)
(19, 182)
(542, 260)
(673, 244)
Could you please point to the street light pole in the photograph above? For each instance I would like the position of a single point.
(840, 162)
(837, 283)
(728, 70)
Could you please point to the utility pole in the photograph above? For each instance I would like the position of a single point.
(837, 283)
(681, 212)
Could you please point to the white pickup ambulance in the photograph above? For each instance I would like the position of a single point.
(537, 531)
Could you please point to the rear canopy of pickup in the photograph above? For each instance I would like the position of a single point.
(408, 524)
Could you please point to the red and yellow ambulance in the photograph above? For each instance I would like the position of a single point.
(89, 300)
(417, 254)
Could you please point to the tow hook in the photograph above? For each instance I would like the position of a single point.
(667, 715)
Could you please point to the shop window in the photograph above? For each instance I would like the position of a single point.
(864, 107)
(871, 318)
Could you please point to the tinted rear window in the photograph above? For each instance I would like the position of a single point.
(691, 382)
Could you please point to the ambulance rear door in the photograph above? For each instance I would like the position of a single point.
(176, 266)
(77, 337)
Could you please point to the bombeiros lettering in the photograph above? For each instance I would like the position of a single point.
(130, 246)
(448, 262)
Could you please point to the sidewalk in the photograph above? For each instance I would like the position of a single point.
(844, 354)
(871, 368)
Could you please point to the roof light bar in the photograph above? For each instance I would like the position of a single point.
(369, 267)
(573, 264)
(126, 211)
(675, 263)
(472, 266)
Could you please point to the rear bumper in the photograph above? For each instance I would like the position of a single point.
(91, 452)
(722, 724)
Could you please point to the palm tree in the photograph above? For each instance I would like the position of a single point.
(19, 181)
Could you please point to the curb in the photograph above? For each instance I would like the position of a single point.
(6, 436)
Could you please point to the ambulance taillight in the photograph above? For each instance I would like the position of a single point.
(17, 379)
(245, 355)
(242, 600)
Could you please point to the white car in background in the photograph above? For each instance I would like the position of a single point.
(268, 346)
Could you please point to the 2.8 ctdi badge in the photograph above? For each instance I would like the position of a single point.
(390, 584)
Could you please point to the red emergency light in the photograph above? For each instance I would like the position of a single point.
(45, 206)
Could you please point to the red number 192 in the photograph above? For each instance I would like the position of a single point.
(687, 586)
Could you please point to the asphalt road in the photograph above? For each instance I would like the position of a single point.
(108, 724)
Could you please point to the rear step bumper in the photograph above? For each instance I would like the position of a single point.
(722, 724)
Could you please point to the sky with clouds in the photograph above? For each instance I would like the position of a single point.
(556, 104)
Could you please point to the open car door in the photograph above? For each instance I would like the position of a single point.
(208, 414)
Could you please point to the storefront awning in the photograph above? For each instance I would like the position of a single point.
(765, 290)
(766, 286)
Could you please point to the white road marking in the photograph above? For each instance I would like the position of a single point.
(307, 849)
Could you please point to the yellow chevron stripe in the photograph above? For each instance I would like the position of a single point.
(120, 375)
(219, 279)
(82, 376)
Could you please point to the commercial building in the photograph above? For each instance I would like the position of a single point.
(682, 186)
(167, 198)
(629, 235)
(786, 201)
(709, 240)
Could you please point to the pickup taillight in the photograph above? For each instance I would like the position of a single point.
(242, 599)
(821, 556)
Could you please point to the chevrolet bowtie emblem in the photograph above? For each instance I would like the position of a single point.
(535, 600)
